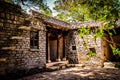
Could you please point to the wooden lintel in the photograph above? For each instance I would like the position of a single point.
(8, 48)
(16, 37)
(2, 59)
(24, 28)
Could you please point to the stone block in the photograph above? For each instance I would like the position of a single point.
(12, 17)
(1, 24)
(16, 17)
(7, 16)
(2, 71)
(9, 21)
(14, 22)
(18, 22)
(16, 37)
(2, 59)
(10, 40)
(79, 65)
(2, 15)
(109, 64)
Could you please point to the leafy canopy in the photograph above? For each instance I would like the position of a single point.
(106, 11)
(86, 10)
(33, 4)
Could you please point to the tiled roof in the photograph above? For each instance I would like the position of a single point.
(52, 21)
(86, 24)
(59, 24)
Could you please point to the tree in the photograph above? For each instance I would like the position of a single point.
(39, 5)
(105, 11)
(86, 10)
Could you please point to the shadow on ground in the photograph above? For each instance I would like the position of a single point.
(78, 74)
(21, 73)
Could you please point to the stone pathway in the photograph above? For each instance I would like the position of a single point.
(78, 74)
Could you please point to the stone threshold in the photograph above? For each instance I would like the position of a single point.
(54, 66)
(110, 64)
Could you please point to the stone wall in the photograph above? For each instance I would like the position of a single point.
(84, 46)
(15, 52)
(71, 54)
(79, 55)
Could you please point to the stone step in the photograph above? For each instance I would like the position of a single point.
(70, 65)
(56, 63)
(56, 67)
(62, 66)
(52, 68)
(79, 65)
(109, 64)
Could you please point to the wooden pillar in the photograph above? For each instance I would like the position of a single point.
(58, 50)
(48, 60)
(103, 58)
(107, 50)
(64, 55)
(105, 47)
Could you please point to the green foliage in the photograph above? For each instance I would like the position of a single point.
(86, 31)
(46, 13)
(83, 31)
(117, 65)
(85, 10)
(98, 34)
(32, 4)
(62, 17)
(105, 11)
(45, 10)
(116, 51)
(91, 54)
(72, 12)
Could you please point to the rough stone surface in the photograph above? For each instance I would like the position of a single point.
(15, 52)
(78, 74)
(71, 55)
(109, 64)
(82, 50)
(80, 54)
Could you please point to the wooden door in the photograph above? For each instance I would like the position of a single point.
(61, 47)
(53, 50)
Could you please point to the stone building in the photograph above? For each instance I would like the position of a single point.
(29, 41)
(20, 47)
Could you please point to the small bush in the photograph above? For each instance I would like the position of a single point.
(91, 54)
(117, 65)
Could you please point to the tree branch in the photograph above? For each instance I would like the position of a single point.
(22, 2)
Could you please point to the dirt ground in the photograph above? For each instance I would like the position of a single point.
(78, 74)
